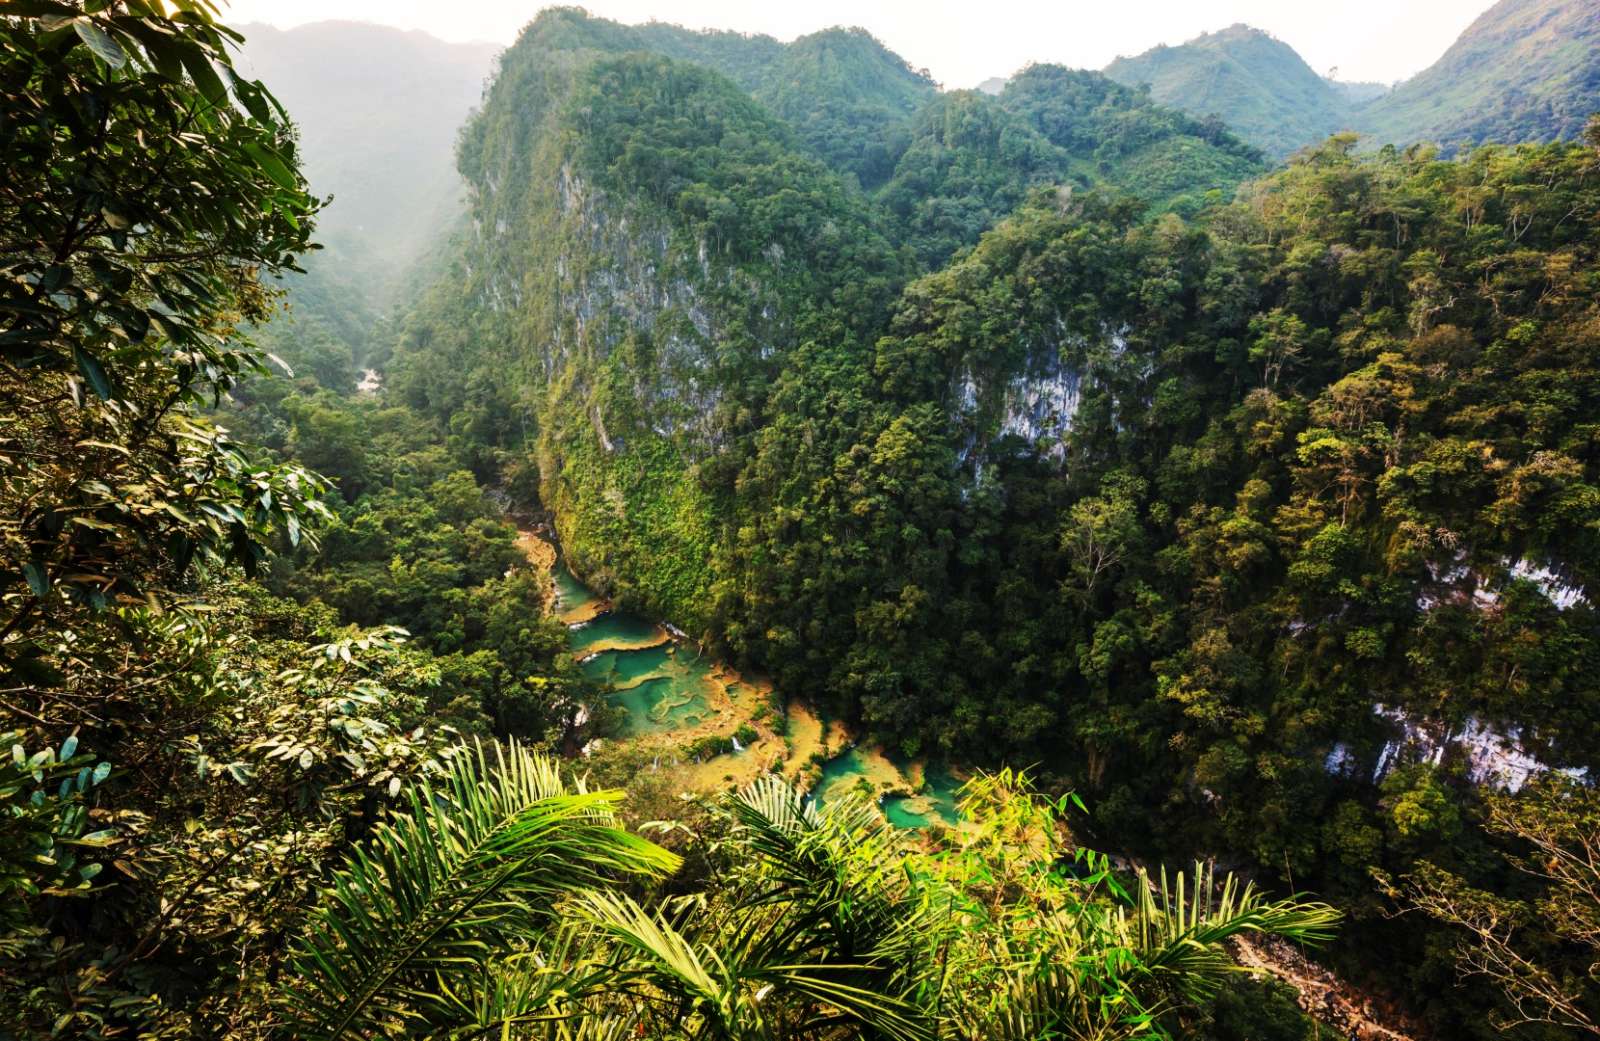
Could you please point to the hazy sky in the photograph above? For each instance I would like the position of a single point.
(963, 42)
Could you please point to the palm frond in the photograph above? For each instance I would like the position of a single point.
(545, 992)
(440, 889)
(1179, 927)
(731, 985)
(839, 863)
(1058, 1003)
(674, 961)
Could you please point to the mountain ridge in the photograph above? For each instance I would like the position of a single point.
(1259, 86)
(1525, 70)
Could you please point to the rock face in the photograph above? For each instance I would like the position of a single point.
(620, 281)
(633, 219)
(1461, 583)
(1488, 756)
(1034, 406)
(1027, 402)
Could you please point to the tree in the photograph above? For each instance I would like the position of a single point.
(148, 188)
(123, 286)
(1539, 952)
(811, 922)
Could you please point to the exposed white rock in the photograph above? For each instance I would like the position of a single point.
(600, 431)
(1449, 582)
(1489, 757)
(1040, 406)
(1550, 583)
(628, 281)
(1458, 582)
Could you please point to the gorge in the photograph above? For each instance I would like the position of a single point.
(735, 541)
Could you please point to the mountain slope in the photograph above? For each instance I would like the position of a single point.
(656, 258)
(1527, 70)
(971, 159)
(378, 110)
(1118, 138)
(650, 248)
(1254, 82)
(846, 93)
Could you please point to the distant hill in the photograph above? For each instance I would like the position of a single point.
(1527, 70)
(947, 165)
(1254, 82)
(1358, 93)
(993, 85)
(378, 110)
(842, 91)
(972, 158)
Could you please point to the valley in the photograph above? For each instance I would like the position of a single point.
(685, 535)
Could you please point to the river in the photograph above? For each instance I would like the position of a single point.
(718, 728)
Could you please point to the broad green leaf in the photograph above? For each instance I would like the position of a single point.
(103, 46)
(38, 580)
(271, 165)
(92, 371)
(204, 75)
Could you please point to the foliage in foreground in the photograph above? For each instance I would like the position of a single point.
(480, 912)
(1528, 945)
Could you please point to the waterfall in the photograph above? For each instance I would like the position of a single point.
(737, 747)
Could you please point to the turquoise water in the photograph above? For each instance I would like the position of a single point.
(667, 688)
(662, 688)
(659, 705)
(940, 789)
(842, 774)
(618, 626)
(570, 593)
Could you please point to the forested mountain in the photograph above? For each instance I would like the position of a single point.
(378, 111)
(968, 159)
(1255, 82)
(1527, 70)
(848, 97)
(673, 338)
(1257, 510)
(225, 814)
